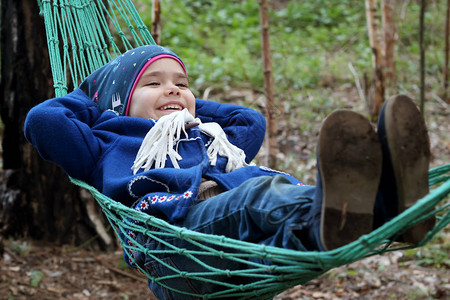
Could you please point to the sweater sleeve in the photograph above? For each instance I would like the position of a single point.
(61, 131)
(245, 128)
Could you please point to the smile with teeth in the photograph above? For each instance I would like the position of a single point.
(171, 107)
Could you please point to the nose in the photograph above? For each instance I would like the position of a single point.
(172, 90)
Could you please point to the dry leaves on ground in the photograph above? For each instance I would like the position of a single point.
(49, 272)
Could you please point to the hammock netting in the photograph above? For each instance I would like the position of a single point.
(83, 35)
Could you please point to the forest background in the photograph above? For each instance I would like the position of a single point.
(321, 61)
(317, 49)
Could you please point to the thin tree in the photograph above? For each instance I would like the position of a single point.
(389, 40)
(373, 27)
(447, 34)
(156, 21)
(268, 84)
(423, 4)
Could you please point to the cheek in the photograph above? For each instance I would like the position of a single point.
(144, 100)
(192, 105)
(132, 106)
(137, 105)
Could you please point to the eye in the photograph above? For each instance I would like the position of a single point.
(152, 83)
(183, 85)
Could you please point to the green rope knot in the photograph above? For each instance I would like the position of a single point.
(264, 253)
(181, 233)
(53, 40)
(41, 11)
(365, 242)
(281, 278)
(272, 268)
(319, 262)
(58, 85)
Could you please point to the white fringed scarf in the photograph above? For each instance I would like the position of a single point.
(158, 144)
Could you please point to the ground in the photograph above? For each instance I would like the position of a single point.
(33, 271)
(29, 270)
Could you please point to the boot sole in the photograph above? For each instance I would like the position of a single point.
(350, 161)
(409, 149)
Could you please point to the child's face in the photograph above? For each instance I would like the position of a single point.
(161, 90)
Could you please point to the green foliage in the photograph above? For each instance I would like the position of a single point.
(122, 264)
(433, 254)
(19, 247)
(219, 41)
(36, 277)
(313, 44)
(310, 40)
(350, 272)
(407, 48)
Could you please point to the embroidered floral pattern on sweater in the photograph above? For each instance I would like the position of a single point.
(145, 203)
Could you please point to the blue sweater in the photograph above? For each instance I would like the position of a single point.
(100, 148)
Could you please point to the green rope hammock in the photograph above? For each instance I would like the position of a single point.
(289, 267)
(80, 40)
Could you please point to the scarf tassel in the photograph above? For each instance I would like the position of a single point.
(159, 144)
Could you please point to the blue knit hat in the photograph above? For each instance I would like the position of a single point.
(112, 85)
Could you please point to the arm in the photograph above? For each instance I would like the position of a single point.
(245, 128)
(61, 131)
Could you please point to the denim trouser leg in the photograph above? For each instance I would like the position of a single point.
(243, 213)
(262, 210)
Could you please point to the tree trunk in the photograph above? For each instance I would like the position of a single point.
(268, 84)
(447, 33)
(156, 21)
(389, 40)
(36, 198)
(373, 27)
(423, 4)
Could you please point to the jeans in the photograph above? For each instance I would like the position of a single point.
(264, 210)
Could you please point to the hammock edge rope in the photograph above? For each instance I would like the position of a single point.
(290, 267)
